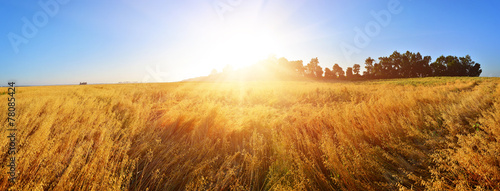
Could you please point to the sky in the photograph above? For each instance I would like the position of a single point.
(49, 42)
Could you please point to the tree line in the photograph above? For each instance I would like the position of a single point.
(411, 65)
(397, 65)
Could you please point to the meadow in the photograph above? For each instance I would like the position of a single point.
(406, 134)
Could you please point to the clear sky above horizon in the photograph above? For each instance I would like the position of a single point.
(69, 41)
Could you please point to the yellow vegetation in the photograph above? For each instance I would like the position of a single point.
(430, 133)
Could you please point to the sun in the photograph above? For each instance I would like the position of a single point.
(243, 46)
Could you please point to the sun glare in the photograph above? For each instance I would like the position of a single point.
(243, 46)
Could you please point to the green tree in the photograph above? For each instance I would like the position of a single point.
(411, 65)
(454, 67)
(471, 68)
(369, 67)
(422, 67)
(377, 71)
(476, 70)
(439, 66)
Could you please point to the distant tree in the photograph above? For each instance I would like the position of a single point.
(355, 69)
(298, 67)
(283, 65)
(377, 71)
(341, 74)
(396, 65)
(414, 65)
(214, 72)
(475, 70)
(439, 66)
(472, 68)
(283, 61)
(454, 67)
(338, 72)
(348, 73)
(407, 65)
(313, 69)
(391, 65)
(385, 67)
(319, 72)
(291, 68)
(310, 67)
(369, 67)
(410, 65)
(285, 69)
(328, 73)
(404, 64)
(423, 68)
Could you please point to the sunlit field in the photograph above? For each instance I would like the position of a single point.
(429, 133)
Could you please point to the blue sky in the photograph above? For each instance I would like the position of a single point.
(157, 40)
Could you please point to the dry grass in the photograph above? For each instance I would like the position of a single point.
(421, 134)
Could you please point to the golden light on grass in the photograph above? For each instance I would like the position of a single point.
(430, 133)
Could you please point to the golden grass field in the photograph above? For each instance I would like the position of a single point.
(421, 134)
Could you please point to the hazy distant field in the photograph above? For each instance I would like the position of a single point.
(430, 133)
